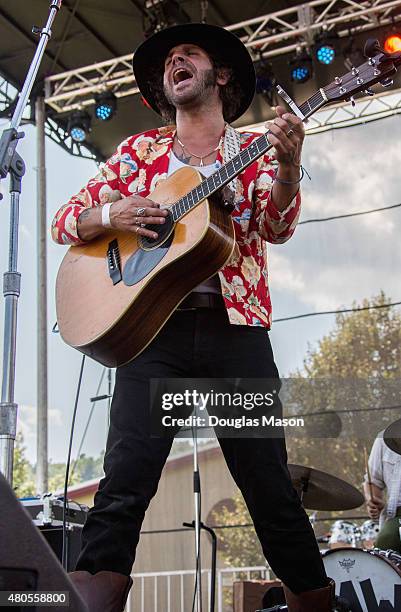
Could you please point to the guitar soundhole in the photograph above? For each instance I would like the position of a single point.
(163, 231)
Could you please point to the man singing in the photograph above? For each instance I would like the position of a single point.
(201, 78)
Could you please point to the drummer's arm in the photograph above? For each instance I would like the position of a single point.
(374, 484)
(374, 499)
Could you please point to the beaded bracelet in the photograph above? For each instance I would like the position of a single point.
(283, 182)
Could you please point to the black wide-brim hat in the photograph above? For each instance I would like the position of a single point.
(213, 39)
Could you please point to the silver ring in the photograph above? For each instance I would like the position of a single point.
(140, 212)
(290, 132)
(142, 225)
(137, 229)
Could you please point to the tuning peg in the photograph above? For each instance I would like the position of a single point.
(369, 92)
(387, 82)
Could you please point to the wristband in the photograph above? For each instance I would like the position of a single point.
(283, 182)
(106, 215)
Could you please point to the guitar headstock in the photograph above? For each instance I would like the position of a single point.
(377, 69)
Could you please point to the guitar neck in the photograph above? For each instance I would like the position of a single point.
(237, 164)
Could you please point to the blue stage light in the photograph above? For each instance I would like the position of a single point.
(78, 134)
(301, 69)
(106, 104)
(326, 54)
(79, 125)
(300, 74)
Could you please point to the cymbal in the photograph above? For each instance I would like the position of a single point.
(392, 436)
(321, 491)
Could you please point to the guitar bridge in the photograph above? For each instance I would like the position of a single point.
(114, 262)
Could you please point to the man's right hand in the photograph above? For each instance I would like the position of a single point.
(130, 213)
(375, 506)
(124, 216)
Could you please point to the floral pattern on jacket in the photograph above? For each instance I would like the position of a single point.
(141, 163)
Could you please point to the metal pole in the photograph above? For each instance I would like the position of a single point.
(197, 504)
(42, 416)
(11, 163)
(11, 291)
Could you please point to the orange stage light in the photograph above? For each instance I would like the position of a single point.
(392, 44)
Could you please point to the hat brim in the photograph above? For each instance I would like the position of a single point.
(213, 39)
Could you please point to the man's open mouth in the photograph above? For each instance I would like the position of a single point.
(180, 75)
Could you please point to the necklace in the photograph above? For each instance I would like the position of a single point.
(201, 157)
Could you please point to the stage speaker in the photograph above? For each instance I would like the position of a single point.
(26, 560)
(250, 595)
(54, 538)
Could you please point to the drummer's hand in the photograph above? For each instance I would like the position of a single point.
(375, 506)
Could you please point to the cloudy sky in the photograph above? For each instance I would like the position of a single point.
(323, 267)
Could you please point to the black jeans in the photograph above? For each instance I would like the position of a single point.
(196, 343)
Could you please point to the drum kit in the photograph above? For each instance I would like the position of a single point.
(367, 578)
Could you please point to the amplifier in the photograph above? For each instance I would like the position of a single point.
(54, 538)
(48, 510)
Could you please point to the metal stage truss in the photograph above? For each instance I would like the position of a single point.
(344, 114)
(267, 36)
(6, 97)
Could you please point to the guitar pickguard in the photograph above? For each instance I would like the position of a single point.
(142, 262)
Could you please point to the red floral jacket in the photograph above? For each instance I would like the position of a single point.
(138, 165)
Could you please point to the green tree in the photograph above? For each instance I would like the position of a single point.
(356, 366)
(23, 473)
(239, 546)
(85, 468)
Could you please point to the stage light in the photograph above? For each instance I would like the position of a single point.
(265, 79)
(325, 47)
(301, 67)
(106, 104)
(160, 14)
(392, 44)
(325, 54)
(79, 126)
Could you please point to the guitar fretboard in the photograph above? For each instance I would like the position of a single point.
(237, 164)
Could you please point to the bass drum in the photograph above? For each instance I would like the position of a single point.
(369, 580)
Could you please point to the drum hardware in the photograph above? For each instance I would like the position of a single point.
(344, 533)
(321, 491)
(369, 532)
(341, 605)
(392, 555)
(392, 437)
(274, 609)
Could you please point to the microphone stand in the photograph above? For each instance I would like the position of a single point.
(197, 522)
(12, 163)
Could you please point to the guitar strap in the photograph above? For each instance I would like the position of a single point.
(232, 146)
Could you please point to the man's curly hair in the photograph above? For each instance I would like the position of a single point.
(230, 93)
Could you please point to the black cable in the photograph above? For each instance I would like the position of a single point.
(327, 312)
(346, 215)
(74, 465)
(67, 469)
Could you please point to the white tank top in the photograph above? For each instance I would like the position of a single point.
(212, 285)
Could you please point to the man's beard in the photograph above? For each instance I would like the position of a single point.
(200, 92)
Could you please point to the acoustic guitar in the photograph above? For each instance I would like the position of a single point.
(115, 293)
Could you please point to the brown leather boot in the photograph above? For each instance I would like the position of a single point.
(318, 600)
(103, 591)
